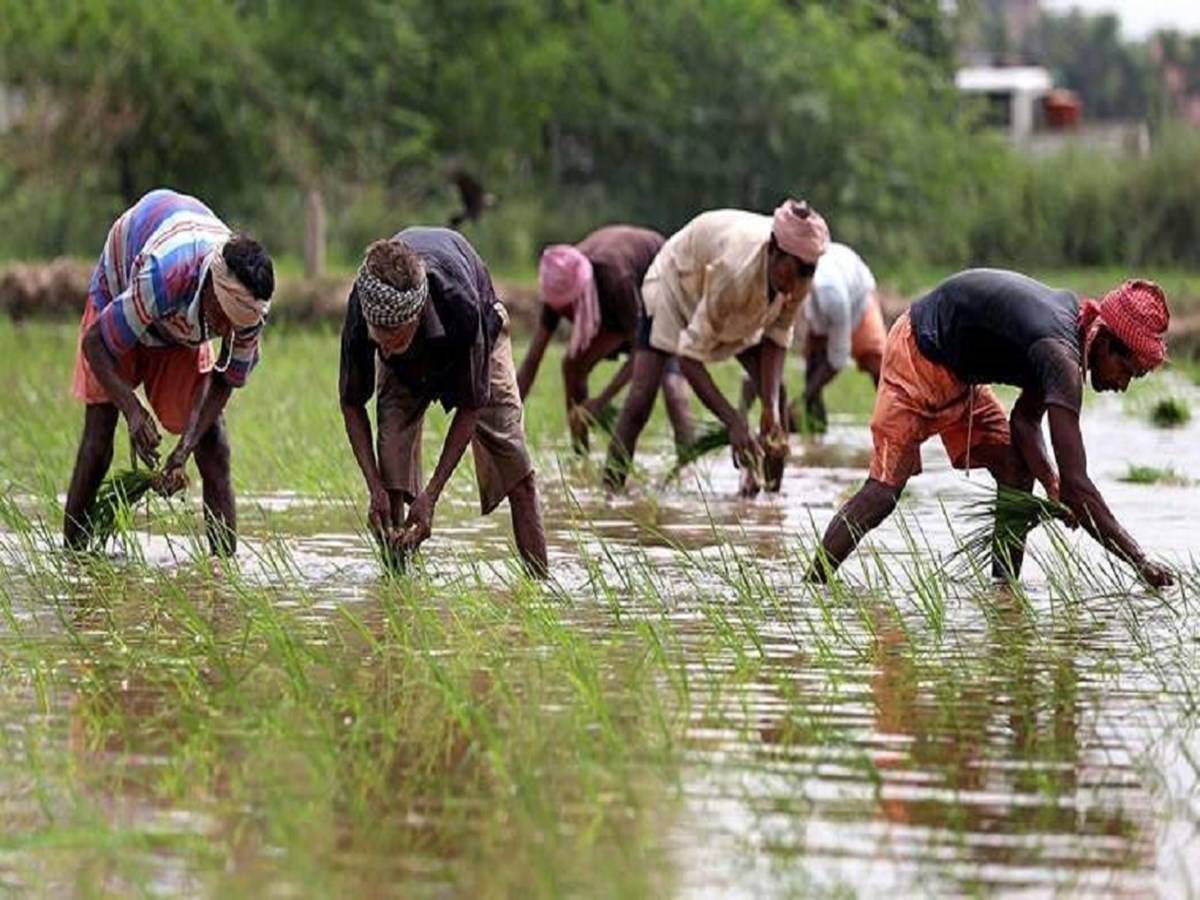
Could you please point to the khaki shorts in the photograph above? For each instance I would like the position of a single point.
(502, 460)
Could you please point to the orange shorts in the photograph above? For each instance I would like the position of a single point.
(170, 376)
(917, 399)
(869, 335)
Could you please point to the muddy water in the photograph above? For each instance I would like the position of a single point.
(1048, 747)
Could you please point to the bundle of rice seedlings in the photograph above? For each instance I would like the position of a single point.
(1170, 412)
(117, 493)
(1004, 518)
(710, 436)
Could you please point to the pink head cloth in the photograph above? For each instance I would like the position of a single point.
(800, 230)
(1137, 313)
(568, 287)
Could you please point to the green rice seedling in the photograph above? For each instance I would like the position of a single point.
(1170, 412)
(1002, 520)
(1153, 475)
(118, 493)
(709, 437)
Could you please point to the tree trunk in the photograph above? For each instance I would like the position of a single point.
(314, 233)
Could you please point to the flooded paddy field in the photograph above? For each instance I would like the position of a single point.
(675, 713)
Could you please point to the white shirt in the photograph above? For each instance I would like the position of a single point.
(841, 290)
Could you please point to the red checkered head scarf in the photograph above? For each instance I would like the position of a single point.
(1137, 314)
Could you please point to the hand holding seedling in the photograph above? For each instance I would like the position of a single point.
(379, 514)
(144, 434)
(172, 480)
(1155, 574)
(419, 524)
(743, 443)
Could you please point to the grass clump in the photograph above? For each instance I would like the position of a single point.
(1153, 475)
(1170, 412)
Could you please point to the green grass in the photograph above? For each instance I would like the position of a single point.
(1137, 474)
(1170, 412)
(677, 700)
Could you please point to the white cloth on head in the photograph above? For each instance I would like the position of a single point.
(841, 292)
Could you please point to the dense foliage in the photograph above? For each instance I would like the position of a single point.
(571, 112)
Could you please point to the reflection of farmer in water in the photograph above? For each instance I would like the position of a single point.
(728, 284)
(596, 285)
(424, 317)
(171, 278)
(984, 326)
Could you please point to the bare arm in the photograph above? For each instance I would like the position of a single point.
(616, 385)
(358, 430)
(215, 392)
(457, 438)
(1025, 425)
(818, 373)
(419, 524)
(771, 359)
(533, 359)
(141, 425)
(745, 445)
(1085, 501)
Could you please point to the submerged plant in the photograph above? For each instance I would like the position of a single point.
(117, 493)
(1170, 412)
(1154, 475)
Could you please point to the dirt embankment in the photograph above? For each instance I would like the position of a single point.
(57, 289)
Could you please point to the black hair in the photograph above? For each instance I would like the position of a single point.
(248, 260)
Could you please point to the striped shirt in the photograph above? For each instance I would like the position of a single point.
(147, 285)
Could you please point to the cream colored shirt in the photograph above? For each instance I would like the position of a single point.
(708, 286)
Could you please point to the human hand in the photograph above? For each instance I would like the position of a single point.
(419, 524)
(1155, 574)
(578, 421)
(144, 434)
(379, 514)
(744, 445)
(173, 478)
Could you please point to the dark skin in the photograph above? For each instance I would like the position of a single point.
(205, 435)
(386, 517)
(1112, 368)
(818, 372)
(762, 363)
(583, 410)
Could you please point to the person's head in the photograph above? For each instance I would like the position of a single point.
(1124, 335)
(240, 283)
(392, 290)
(564, 273)
(798, 238)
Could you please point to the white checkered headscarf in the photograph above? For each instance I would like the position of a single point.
(385, 306)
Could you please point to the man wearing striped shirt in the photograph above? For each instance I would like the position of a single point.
(171, 278)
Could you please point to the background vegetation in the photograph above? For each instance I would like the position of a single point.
(571, 112)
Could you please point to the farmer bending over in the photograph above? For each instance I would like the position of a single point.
(843, 321)
(171, 278)
(424, 304)
(597, 286)
(984, 326)
(728, 284)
